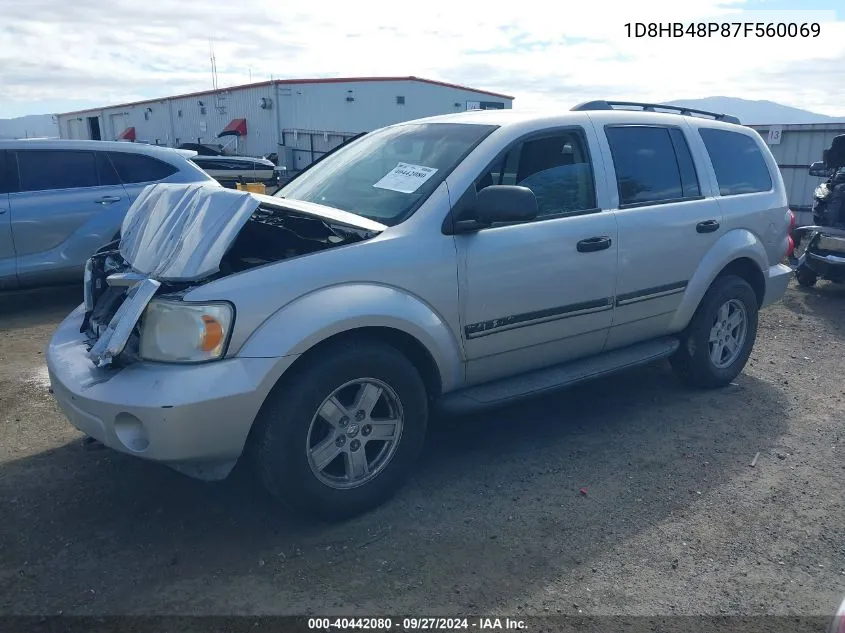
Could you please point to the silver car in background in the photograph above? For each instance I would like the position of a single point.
(61, 200)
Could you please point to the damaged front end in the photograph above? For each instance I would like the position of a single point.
(114, 303)
(177, 237)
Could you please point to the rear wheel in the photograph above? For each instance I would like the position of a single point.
(718, 341)
(344, 434)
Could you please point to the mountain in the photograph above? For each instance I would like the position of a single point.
(756, 112)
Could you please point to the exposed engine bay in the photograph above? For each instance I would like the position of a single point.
(271, 235)
(202, 239)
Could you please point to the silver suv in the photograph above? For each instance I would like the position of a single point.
(61, 200)
(460, 261)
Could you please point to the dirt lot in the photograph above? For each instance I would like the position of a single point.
(674, 521)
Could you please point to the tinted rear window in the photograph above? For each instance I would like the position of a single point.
(139, 168)
(646, 166)
(108, 176)
(737, 161)
(42, 170)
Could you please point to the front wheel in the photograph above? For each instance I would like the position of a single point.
(343, 435)
(806, 277)
(718, 341)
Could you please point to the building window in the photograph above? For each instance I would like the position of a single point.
(400, 100)
(179, 113)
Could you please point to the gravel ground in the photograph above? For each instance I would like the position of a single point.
(674, 519)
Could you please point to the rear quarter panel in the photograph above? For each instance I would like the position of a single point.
(755, 224)
(733, 245)
(763, 214)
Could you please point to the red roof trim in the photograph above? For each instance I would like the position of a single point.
(127, 135)
(237, 127)
(318, 80)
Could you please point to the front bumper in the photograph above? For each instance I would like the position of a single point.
(195, 416)
(777, 281)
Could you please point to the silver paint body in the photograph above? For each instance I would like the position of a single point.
(415, 279)
(47, 236)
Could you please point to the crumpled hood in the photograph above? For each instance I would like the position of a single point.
(180, 232)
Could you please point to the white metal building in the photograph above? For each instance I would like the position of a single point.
(32, 126)
(795, 147)
(297, 118)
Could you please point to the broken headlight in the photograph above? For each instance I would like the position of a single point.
(179, 332)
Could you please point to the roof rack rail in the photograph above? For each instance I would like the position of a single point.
(654, 107)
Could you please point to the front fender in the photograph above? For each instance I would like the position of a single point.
(312, 318)
(733, 245)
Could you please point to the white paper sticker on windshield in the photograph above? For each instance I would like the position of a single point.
(405, 178)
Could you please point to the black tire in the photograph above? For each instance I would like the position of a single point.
(692, 362)
(284, 421)
(806, 277)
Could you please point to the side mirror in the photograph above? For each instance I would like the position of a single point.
(505, 203)
(818, 169)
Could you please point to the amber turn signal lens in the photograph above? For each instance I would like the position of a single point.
(212, 334)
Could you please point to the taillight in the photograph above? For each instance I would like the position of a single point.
(790, 241)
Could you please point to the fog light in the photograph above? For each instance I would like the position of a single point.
(131, 432)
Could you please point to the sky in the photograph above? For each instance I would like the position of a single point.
(57, 56)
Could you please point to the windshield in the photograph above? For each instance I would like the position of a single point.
(386, 175)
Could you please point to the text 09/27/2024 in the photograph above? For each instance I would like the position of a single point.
(723, 29)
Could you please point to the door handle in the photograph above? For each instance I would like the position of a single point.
(708, 226)
(108, 200)
(592, 244)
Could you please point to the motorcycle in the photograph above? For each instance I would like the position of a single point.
(824, 255)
